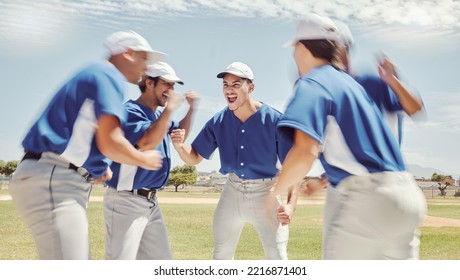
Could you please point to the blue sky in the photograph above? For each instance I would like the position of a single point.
(43, 43)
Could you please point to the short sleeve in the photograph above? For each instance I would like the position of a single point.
(136, 125)
(205, 142)
(108, 96)
(380, 93)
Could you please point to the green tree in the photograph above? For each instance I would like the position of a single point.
(437, 177)
(183, 175)
(10, 167)
(2, 166)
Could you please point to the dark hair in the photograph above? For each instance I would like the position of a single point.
(141, 84)
(325, 49)
(249, 81)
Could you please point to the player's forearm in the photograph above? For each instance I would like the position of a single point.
(112, 144)
(293, 195)
(298, 161)
(188, 154)
(409, 102)
(156, 132)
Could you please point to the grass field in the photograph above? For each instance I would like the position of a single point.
(190, 232)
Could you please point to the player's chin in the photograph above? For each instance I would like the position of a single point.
(232, 106)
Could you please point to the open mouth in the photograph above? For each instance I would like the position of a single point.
(165, 96)
(231, 99)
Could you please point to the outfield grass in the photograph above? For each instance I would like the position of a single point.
(190, 233)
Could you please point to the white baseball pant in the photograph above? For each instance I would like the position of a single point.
(243, 201)
(373, 217)
(52, 200)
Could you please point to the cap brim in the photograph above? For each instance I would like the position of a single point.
(155, 56)
(221, 74)
(288, 44)
(173, 79)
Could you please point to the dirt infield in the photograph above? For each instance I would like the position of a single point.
(431, 221)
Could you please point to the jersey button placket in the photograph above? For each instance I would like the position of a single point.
(241, 150)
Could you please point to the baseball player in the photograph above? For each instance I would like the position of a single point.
(249, 148)
(133, 219)
(71, 143)
(390, 94)
(379, 207)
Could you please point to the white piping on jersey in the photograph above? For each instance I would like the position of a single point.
(84, 128)
(336, 151)
(126, 177)
(392, 121)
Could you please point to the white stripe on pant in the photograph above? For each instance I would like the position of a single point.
(52, 200)
(374, 216)
(244, 201)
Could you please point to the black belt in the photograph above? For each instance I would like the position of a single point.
(149, 194)
(37, 156)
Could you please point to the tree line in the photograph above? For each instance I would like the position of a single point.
(180, 175)
(8, 168)
(440, 177)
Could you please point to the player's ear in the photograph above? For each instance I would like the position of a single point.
(128, 54)
(251, 87)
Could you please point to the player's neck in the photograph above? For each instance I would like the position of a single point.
(245, 111)
(309, 64)
(144, 100)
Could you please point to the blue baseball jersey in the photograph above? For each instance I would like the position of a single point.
(67, 126)
(332, 108)
(250, 149)
(128, 177)
(386, 100)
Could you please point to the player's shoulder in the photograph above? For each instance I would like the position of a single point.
(269, 110)
(221, 115)
(369, 78)
(134, 108)
(131, 104)
(100, 70)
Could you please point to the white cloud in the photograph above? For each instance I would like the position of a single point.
(21, 19)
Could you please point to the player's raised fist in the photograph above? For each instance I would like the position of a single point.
(152, 160)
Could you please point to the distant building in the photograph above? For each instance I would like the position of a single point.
(419, 178)
(448, 181)
(211, 179)
(427, 184)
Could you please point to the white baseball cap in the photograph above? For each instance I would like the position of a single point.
(163, 70)
(344, 34)
(121, 41)
(315, 27)
(238, 69)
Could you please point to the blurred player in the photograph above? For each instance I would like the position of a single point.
(71, 143)
(134, 223)
(379, 207)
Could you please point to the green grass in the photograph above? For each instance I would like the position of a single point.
(444, 211)
(190, 233)
(442, 243)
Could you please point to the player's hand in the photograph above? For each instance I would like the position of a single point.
(386, 69)
(314, 185)
(107, 176)
(192, 98)
(284, 214)
(152, 160)
(177, 137)
(174, 100)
